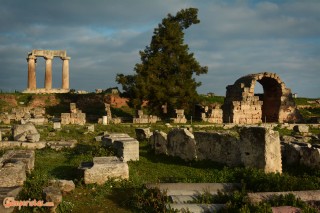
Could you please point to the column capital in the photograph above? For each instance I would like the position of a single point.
(48, 57)
(65, 58)
(31, 57)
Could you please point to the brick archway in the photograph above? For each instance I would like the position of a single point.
(242, 106)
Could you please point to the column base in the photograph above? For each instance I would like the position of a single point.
(45, 91)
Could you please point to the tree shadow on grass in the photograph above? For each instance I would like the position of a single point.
(66, 172)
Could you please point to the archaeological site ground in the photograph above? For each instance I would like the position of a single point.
(91, 152)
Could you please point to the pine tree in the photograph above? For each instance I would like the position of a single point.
(165, 74)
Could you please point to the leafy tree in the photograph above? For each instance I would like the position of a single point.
(165, 74)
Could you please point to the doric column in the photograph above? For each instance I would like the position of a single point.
(32, 81)
(48, 74)
(65, 72)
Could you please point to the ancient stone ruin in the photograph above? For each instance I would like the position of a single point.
(75, 116)
(145, 119)
(25, 114)
(212, 115)
(257, 147)
(243, 106)
(48, 55)
(181, 118)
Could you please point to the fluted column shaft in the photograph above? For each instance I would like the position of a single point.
(32, 81)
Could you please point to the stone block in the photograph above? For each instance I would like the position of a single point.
(260, 148)
(90, 128)
(105, 120)
(159, 142)
(142, 133)
(56, 125)
(127, 149)
(13, 174)
(103, 169)
(20, 132)
(301, 128)
(65, 186)
(109, 138)
(181, 143)
(52, 194)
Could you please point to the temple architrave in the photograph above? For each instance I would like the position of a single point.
(48, 55)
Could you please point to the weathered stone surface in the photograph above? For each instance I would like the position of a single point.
(90, 128)
(109, 138)
(56, 125)
(285, 209)
(260, 148)
(287, 138)
(65, 186)
(25, 156)
(301, 128)
(159, 142)
(180, 117)
(142, 133)
(52, 194)
(145, 119)
(222, 148)
(103, 169)
(74, 117)
(181, 143)
(127, 149)
(12, 174)
(58, 145)
(8, 192)
(310, 156)
(242, 106)
(21, 133)
(290, 153)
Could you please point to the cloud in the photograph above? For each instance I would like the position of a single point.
(103, 38)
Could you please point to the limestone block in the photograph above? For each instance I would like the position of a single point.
(301, 128)
(127, 149)
(90, 128)
(20, 132)
(159, 142)
(290, 153)
(310, 157)
(103, 169)
(0, 136)
(56, 125)
(181, 143)
(12, 174)
(33, 137)
(108, 139)
(73, 108)
(65, 118)
(105, 120)
(65, 186)
(25, 156)
(222, 148)
(260, 148)
(142, 133)
(52, 194)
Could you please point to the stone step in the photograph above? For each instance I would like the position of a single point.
(197, 208)
(194, 188)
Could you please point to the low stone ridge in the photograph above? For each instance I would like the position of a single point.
(307, 196)
(103, 169)
(25, 133)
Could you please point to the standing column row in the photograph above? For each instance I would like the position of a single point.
(32, 80)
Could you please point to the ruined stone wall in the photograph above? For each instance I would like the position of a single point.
(257, 147)
(242, 106)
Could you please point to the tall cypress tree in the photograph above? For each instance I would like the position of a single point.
(165, 74)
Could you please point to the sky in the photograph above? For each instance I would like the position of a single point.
(103, 37)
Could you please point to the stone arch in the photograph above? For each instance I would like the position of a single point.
(243, 106)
